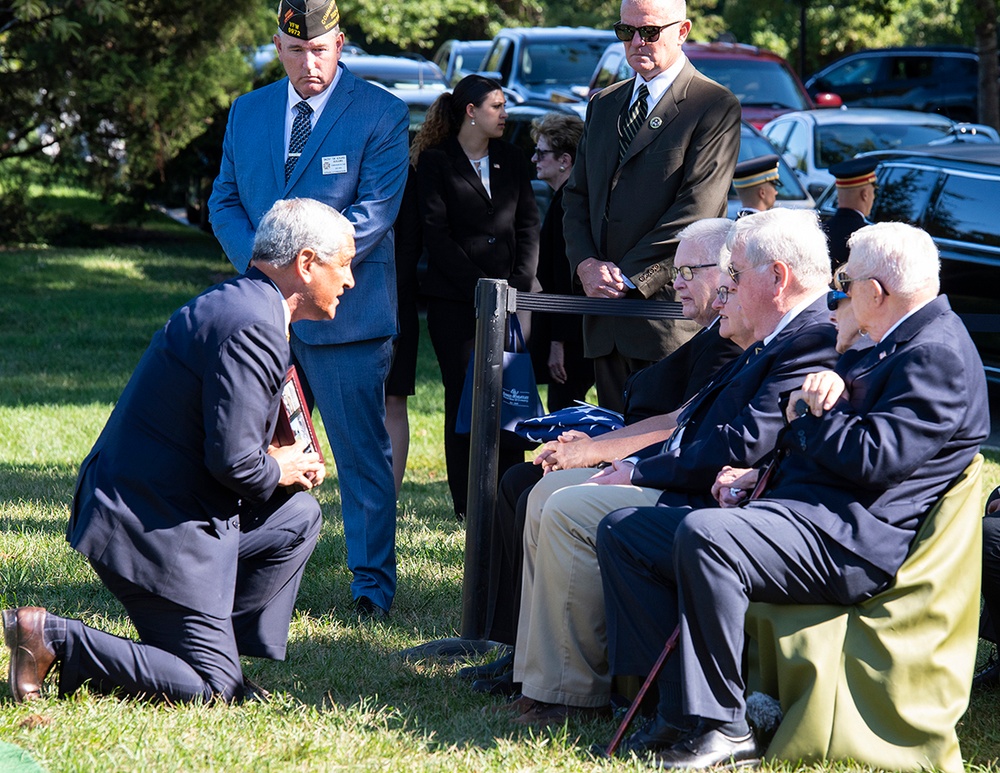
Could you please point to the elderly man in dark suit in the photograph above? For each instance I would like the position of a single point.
(188, 514)
(657, 154)
(868, 450)
(325, 134)
(778, 274)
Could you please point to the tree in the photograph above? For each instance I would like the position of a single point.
(119, 87)
(985, 15)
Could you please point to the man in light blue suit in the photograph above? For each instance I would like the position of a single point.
(322, 133)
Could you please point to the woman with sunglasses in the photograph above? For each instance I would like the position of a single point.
(557, 339)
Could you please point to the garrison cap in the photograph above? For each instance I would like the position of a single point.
(854, 172)
(755, 171)
(307, 19)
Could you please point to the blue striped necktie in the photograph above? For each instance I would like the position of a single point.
(301, 127)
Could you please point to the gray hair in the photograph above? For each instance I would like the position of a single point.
(902, 257)
(708, 236)
(792, 236)
(292, 225)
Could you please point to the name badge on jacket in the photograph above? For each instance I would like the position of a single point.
(334, 164)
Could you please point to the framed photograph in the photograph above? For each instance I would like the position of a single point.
(294, 420)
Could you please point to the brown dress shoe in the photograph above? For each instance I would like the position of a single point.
(30, 658)
(545, 714)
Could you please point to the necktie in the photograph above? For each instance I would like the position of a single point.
(633, 121)
(301, 127)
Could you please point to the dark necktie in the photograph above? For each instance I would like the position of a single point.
(301, 127)
(633, 121)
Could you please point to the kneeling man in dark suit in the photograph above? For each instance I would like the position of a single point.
(187, 512)
(868, 450)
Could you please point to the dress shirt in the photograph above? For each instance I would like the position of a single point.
(317, 103)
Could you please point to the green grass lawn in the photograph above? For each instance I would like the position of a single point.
(73, 324)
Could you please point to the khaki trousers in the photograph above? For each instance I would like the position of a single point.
(561, 651)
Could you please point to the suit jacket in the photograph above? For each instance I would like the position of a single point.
(845, 221)
(157, 498)
(677, 170)
(915, 412)
(469, 234)
(736, 419)
(555, 276)
(662, 387)
(362, 129)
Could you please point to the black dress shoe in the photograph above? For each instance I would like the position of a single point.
(710, 749)
(501, 685)
(366, 609)
(988, 678)
(31, 658)
(498, 667)
(254, 692)
(656, 736)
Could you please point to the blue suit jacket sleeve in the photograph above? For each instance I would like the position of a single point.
(238, 404)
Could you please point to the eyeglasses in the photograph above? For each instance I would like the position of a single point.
(687, 272)
(833, 299)
(543, 153)
(723, 294)
(845, 282)
(648, 34)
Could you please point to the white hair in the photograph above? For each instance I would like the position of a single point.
(292, 225)
(708, 237)
(902, 257)
(792, 236)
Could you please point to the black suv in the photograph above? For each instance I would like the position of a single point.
(950, 191)
(930, 79)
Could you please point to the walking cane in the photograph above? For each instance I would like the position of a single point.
(654, 672)
(763, 480)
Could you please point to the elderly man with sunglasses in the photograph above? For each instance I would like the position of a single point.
(869, 449)
(657, 154)
(778, 273)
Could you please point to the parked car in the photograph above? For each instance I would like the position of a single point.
(810, 141)
(928, 79)
(545, 64)
(458, 58)
(763, 82)
(417, 82)
(951, 192)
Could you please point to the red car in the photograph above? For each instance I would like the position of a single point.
(762, 81)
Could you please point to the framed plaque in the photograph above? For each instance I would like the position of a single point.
(294, 420)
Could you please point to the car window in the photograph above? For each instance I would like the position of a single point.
(860, 71)
(952, 68)
(904, 68)
(903, 193)
(777, 133)
(565, 63)
(500, 58)
(610, 67)
(755, 82)
(959, 212)
(796, 145)
(839, 142)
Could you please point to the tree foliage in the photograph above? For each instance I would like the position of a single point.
(119, 86)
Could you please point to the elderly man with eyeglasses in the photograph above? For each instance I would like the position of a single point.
(657, 154)
(778, 275)
(869, 448)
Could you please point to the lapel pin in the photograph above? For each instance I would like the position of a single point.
(655, 122)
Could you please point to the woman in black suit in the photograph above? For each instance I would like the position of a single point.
(557, 339)
(479, 220)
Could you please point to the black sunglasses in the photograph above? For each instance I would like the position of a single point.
(845, 282)
(648, 34)
(833, 299)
